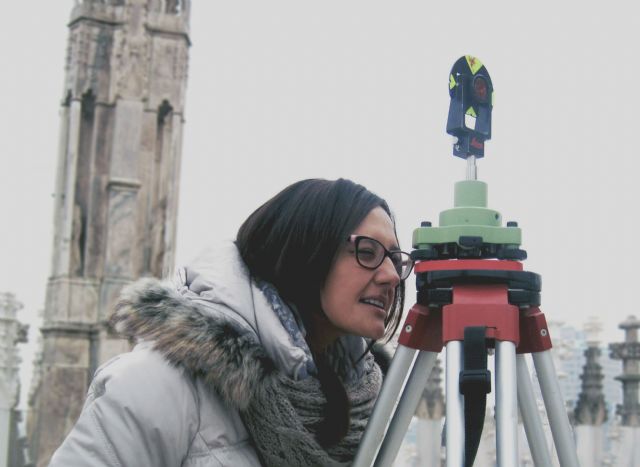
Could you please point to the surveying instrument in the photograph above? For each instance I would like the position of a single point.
(473, 295)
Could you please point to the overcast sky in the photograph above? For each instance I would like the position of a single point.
(284, 90)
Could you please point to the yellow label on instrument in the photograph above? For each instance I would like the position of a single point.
(452, 82)
(471, 112)
(474, 63)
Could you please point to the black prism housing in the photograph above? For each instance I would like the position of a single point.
(469, 118)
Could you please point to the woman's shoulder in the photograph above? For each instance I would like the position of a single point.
(140, 410)
(143, 378)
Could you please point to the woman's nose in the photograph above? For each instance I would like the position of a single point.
(387, 273)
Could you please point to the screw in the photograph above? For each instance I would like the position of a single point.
(425, 224)
(543, 332)
(512, 224)
(408, 328)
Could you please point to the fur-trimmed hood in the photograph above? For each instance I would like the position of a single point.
(220, 324)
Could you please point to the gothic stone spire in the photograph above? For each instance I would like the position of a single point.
(591, 408)
(629, 353)
(116, 192)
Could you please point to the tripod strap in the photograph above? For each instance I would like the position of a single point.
(475, 384)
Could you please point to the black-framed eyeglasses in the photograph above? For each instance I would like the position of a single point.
(370, 254)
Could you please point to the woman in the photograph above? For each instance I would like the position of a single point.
(259, 355)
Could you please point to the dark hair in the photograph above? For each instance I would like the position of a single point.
(291, 242)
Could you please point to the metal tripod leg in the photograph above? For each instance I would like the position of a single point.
(454, 427)
(556, 410)
(530, 416)
(406, 408)
(384, 407)
(506, 404)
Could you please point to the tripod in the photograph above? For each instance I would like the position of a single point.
(472, 294)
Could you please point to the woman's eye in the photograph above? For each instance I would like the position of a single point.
(367, 253)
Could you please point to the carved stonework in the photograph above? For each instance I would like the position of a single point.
(89, 59)
(11, 334)
(116, 191)
(591, 408)
(629, 353)
(131, 75)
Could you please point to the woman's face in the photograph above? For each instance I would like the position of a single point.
(356, 300)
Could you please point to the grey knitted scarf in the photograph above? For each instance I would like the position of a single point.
(283, 414)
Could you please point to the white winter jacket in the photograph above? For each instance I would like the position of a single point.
(143, 410)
